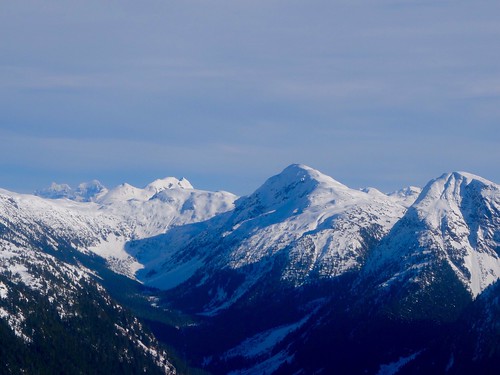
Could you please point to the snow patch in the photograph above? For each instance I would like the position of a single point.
(4, 291)
(393, 367)
(268, 366)
(263, 342)
(172, 278)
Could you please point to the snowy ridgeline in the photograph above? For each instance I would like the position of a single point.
(325, 228)
(300, 228)
(105, 221)
(323, 225)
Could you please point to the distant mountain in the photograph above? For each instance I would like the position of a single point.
(300, 225)
(407, 195)
(107, 220)
(126, 192)
(410, 262)
(46, 292)
(448, 240)
(85, 192)
(305, 275)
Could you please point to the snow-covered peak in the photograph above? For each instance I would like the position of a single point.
(406, 196)
(126, 192)
(123, 193)
(320, 226)
(373, 191)
(55, 191)
(406, 192)
(85, 192)
(90, 191)
(454, 219)
(168, 183)
(106, 224)
(449, 186)
(456, 196)
(296, 187)
(303, 174)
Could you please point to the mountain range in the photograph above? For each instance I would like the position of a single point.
(305, 275)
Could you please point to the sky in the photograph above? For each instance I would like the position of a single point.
(381, 93)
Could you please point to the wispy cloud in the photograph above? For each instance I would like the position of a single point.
(34, 78)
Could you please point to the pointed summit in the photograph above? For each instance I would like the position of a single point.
(304, 174)
(453, 224)
(450, 186)
(458, 194)
(295, 188)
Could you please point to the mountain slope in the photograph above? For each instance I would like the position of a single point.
(411, 308)
(112, 218)
(308, 263)
(85, 192)
(45, 291)
(449, 236)
(305, 275)
(54, 316)
(299, 226)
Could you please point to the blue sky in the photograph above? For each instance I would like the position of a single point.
(227, 93)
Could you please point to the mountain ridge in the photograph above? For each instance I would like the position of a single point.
(302, 256)
(449, 216)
